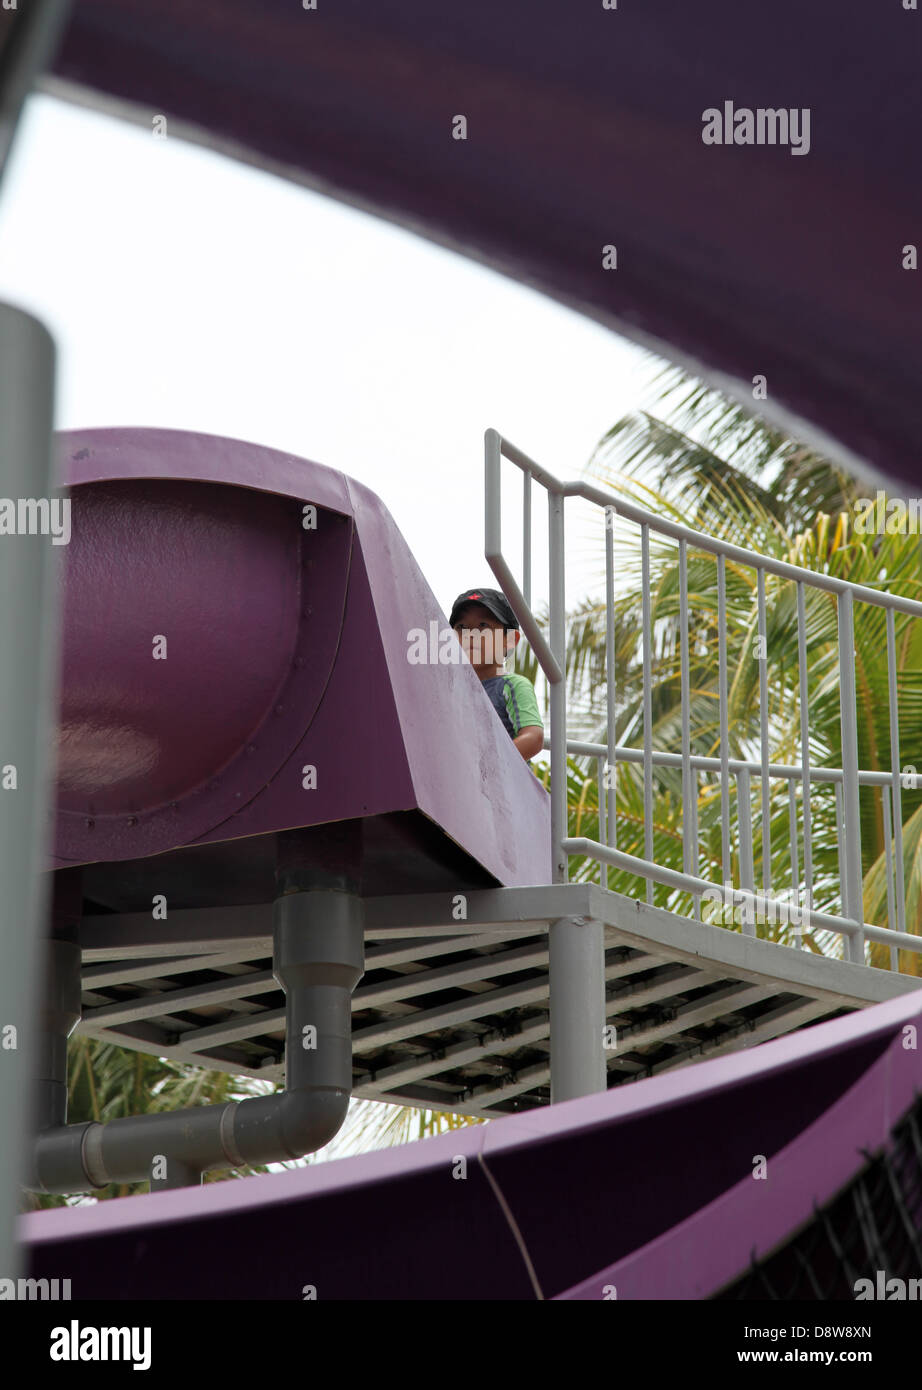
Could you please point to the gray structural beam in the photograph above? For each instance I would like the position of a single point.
(442, 1031)
(28, 656)
(506, 914)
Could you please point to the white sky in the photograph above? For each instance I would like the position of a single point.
(187, 290)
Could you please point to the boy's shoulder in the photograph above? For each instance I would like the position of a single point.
(519, 681)
(526, 699)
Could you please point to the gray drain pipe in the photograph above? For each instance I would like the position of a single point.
(318, 958)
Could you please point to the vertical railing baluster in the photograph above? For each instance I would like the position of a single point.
(851, 804)
(763, 740)
(795, 857)
(840, 845)
(526, 536)
(600, 780)
(689, 862)
(558, 645)
(805, 751)
(847, 781)
(885, 793)
(747, 866)
(696, 838)
(647, 701)
(611, 689)
(693, 804)
(896, 775)
(726, 863)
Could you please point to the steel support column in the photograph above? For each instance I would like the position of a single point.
(576, 963)
(28, 660)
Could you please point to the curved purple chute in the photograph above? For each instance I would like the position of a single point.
(220, 640)
(651, 1184)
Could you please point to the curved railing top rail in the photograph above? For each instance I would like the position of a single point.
(497, 445)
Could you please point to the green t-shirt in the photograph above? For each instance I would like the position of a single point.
(513, 697)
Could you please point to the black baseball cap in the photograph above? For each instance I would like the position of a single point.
(495, 602)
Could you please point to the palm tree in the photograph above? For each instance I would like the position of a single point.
(721, 472)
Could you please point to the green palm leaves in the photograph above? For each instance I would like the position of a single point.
(716, 470)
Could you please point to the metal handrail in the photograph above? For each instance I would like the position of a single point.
(847, 780)
(624, 753)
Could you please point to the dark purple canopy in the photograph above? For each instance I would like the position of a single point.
(585, 131)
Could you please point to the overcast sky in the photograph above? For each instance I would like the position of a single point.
(187, 290)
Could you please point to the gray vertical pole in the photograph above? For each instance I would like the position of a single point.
(558, 644)
(763, 742)
(611, 689)
(647, 619)
(576, 949)
(888, 842)
(744, 828)
(526, 537)
(576, 959)
(896, 792)
(725, 859)
(28, 652)
(805, 748)
(852, 884)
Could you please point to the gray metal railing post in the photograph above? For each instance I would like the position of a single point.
(689, 854)
(796, 902)
(28, 663)
(896, 771)
(846, 781)
(647, 620)
(611, 677)
(840, 844)
(766, 788)
(852, 887)
(576, 947)
(744, 826)
(576, 969)
(888, 843)
(805, 752)
(558, 644)
(726, 862)
(526, 536)
(494, 447)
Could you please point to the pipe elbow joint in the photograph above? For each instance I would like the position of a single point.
(308, 1120)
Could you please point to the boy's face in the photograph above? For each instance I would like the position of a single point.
(483, 637)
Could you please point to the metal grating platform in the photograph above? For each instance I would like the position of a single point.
(455, 1015)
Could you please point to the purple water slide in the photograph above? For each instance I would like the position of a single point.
(789, 261)
(216, 649)
(651, 1184)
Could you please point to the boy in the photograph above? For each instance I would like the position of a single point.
(488, 630)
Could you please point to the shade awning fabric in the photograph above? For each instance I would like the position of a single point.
(782, 270)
